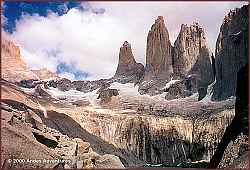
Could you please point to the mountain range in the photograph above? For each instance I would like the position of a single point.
(173, 109)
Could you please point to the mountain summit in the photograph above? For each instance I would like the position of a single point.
(158, 52)
(127, 67)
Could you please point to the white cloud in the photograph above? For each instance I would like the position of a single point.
(91, 42)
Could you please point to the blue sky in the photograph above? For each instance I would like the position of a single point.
(13, 11)
(81, 40)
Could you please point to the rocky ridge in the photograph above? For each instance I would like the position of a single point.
(189, 59)
(25, 120)
(114, 125)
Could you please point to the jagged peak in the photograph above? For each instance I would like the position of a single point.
(126, 44)
(159, 19)
(159, 24)
(194, 27)
(196, 24)
(232, 13)
(126, 56)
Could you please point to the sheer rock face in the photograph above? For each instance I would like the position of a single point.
(13, 68)
(160, 139)
(126, 56)
(128, 70)
(231, 52)
(191, 55)
(158, 53)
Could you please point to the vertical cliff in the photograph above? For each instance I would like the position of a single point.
(158, 52)
(128, 70)
(231, 52)
(158, 139)
(191, 56)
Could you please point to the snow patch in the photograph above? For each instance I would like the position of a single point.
(128, 111)
(209, 94)
(126, 89)
(170, 83)
(28, 90)
(73, 95)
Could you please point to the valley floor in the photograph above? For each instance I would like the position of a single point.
(131, 130)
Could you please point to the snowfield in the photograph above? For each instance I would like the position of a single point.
(73, 95)
(126, 89)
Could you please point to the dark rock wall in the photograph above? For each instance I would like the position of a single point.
(231, 52)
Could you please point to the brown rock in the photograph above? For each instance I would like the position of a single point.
(109, 161)
(32, 118)
(128, 70)
(82, 147)
(13, 68)
(158, 52)
(126, 56)
(192, 56)
(107, 94)
(177, 90)
(80, 103)
(19, 145)
(234, 156)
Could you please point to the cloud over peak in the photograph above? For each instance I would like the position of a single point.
(89, 40)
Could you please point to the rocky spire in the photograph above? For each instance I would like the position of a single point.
(191, 56)
(158, 52)
(188, 47)
(126, 56)
(127, 66)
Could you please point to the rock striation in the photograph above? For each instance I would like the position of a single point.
(231, 52)
(158, 69)
(128, 70)
(158, 139)
(158, 52)
(191, 54)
